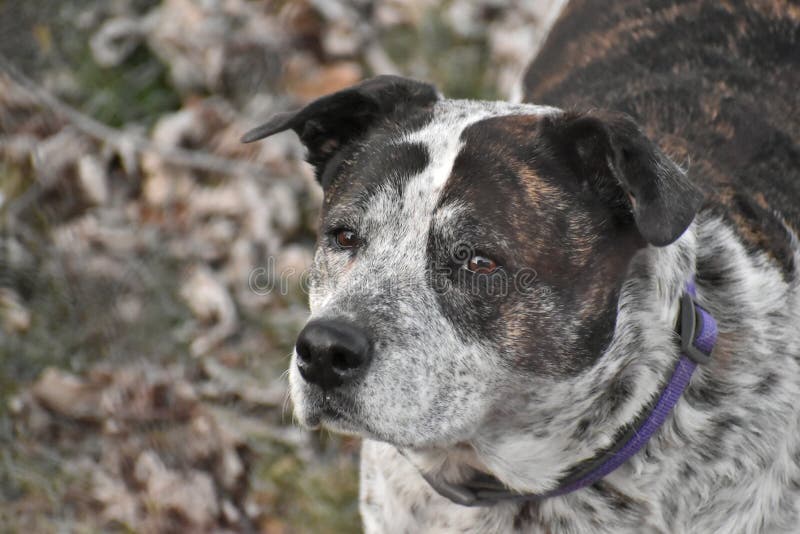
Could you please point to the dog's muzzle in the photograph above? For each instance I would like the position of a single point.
(332, 353)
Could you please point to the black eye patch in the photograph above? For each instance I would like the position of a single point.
(380, 162)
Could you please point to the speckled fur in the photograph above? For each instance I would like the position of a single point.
(457, 396)
(728, 460)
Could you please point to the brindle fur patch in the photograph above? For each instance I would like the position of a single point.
(715, 82)
(558, 229)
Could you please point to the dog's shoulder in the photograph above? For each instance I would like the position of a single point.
(714, 82)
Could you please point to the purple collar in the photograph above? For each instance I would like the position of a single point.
(698, 331)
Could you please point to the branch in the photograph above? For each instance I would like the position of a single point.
(123, 141)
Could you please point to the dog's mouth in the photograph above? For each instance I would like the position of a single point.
(332, 411)
(332, 408)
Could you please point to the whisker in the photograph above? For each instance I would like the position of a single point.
(285, 406)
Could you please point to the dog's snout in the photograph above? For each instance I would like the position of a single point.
(331, 353)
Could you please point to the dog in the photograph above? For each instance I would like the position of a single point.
(578, 315)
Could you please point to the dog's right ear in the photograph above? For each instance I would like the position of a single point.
(628, 171)
(330, 122)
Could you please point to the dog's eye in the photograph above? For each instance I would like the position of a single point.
(346, 238)
(481, 265)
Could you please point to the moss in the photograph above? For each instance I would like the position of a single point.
(13, 182)
(317, 497)
(137, 91)
(434, 51)
(47, 38)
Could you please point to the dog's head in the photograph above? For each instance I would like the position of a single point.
(466, 250)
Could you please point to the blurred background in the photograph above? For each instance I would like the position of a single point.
(150, 264)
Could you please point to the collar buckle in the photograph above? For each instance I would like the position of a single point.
(692, 324)
(458, 494)
(482, 490)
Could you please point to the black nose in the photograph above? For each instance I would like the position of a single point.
(331, 353)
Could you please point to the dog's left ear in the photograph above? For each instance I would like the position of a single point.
(627, 170)
(328, 123)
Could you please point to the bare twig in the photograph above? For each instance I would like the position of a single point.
(124, 141)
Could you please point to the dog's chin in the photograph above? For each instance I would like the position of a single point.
(338, 412)
(315, 410)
